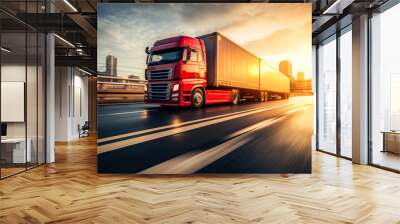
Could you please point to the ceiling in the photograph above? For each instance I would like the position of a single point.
(75, 21)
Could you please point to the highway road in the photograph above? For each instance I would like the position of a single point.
(270, 137)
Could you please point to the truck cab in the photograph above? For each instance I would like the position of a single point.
(209, 69)
(176, 68)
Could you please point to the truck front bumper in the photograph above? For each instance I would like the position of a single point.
(173, 97)
(179, 103)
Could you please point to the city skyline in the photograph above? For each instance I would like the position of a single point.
(282, 69)
(125, 31)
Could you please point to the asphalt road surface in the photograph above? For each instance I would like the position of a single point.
(270, 137)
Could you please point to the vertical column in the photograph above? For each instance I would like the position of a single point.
(63, 101)
(314, 86)
(50, 92)
(360, 90)
(92, 100)
(338, 91)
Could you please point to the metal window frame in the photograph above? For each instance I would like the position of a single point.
(337, 34)
(381, 9)
(387, 5)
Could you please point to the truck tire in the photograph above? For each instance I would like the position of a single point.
(285, 96)
(197, 98)
(262, 97)
(235, 97)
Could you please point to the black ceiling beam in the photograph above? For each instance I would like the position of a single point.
(49, 22)
(332, 29)
(78, 61)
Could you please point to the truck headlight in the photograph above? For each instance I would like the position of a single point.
(175, 87)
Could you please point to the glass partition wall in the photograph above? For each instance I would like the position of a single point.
(345, 61)
(327, 95)
(22, 107)
(334, 113)
(385, 89)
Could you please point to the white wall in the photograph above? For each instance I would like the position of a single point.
(71, 87)
(62, 82)
(80, 110)
(16, 73)
(33, 126)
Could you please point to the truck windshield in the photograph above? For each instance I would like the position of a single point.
(165, 56)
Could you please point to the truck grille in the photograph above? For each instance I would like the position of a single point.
(163, 74)
(158, 91)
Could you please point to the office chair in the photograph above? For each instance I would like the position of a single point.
(84, 130)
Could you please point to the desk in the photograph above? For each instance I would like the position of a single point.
(391, 141)
(13, 150)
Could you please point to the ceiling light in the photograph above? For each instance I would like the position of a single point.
(70, 5)
(337, 7)
(5, 50)
(86, 72)
(64, 40)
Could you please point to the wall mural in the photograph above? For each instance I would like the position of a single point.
(204, 88)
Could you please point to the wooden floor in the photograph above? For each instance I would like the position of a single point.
(71, 191)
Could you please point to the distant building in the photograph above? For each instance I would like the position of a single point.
(301, 86)
(286, 68)
(111, 65)
(300, 76)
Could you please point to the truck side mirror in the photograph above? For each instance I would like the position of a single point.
(147, 50)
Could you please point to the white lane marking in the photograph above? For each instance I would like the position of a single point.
(133, 141)
(131, 134)
(193, 161)
(132, 112)
(137, 103)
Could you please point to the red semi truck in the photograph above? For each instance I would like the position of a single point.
(209, 69)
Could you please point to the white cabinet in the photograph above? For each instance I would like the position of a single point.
(19, 154)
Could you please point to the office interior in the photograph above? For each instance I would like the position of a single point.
(48, 79)
(48, 95)
(48, 67)
(357, 82)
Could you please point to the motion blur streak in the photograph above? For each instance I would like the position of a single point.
(179, 124)
(187, 164)
(149, 137)
(253, 137)
(191, 162)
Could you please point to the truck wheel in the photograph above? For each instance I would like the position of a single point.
(262, 97)
(285, 96)
(235, 97)
(197, 98)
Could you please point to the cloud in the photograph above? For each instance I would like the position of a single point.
(285, 44)
(124, 30)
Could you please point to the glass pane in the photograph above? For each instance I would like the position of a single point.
(13, 87)
(346, 94)
(41, 98)
(31, 98)
(386, 89)
(327, 96)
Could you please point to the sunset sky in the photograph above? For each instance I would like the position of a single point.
(273, 32)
